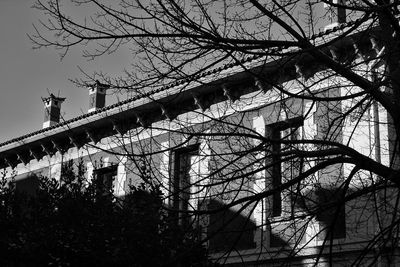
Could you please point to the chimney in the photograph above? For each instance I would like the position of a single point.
(97, 96)
(336, 15)
(52, 108)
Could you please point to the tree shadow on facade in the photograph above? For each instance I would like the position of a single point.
(332, 214)
(327, 206)
(229, 230)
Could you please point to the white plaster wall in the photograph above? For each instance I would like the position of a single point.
(259, 183)
(164, 171)
(119, 185)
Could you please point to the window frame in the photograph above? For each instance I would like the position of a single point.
(180, 184)
(111, 173)
(279, 131)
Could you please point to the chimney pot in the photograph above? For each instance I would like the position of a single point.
(336, 15)
(52, 110)
(97, 96)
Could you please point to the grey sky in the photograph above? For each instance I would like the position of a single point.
(26, 74)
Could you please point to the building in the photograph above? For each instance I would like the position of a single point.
(227, 147)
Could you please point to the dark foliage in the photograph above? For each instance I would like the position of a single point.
(68, 224)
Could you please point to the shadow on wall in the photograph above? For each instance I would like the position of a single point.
(328, 208)
(27, 185)
(332, 217)
(229, 230)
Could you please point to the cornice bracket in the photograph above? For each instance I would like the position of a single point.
(46, 150)
(229, 93)
(168, 113)
(73, 142)
(119, 128)
(201, 102)
(140, 119)
(262, 86)
(334, 53)
(357, 50)
(304, 71)
(58, 147)
(374, 44)
(34, 154)
(22, 159)
(92, 137)
(11, 164)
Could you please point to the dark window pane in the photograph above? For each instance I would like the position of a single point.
(283, 131)
(182, 180)
(104, 178)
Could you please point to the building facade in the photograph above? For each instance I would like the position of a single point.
(237, 152)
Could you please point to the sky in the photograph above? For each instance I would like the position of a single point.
(26, 74)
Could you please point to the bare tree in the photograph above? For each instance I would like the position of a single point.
(281, 144)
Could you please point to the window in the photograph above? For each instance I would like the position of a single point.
(183, 162)
(104, 178)
(282, 168)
